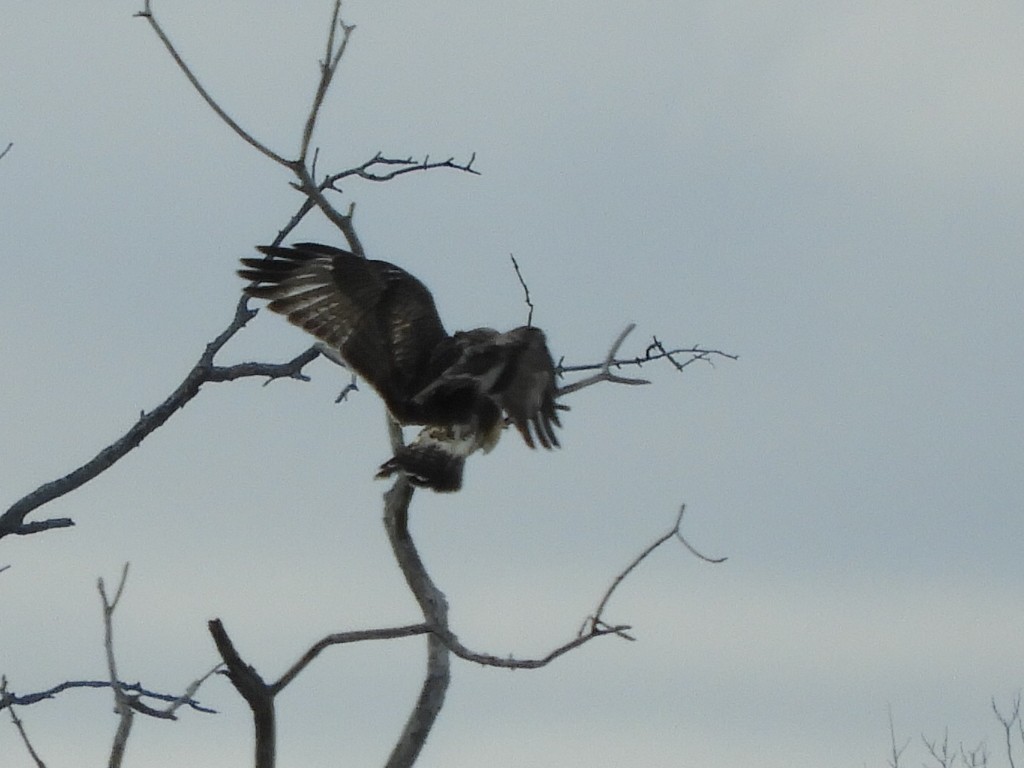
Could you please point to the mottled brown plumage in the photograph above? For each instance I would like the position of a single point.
(384, 323)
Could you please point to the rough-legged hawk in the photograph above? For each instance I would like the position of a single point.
(383, 321)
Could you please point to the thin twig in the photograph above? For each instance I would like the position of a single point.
(122, 703)
(329, 65)
(307, 206)
(674, 532)
(147, 14)
(1008, 721)
(652, 354)
(974, 758)
(134, 688)
(895, 752)
(406, 165)
(186, 697)
(5, 701)
(314, 191)
(526, 289)
(940, 752)
(6, 149)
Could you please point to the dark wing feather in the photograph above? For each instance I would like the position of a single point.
(382, 319)
(513, 371)
(526, 392)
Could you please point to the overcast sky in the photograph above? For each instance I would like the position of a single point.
(831, 191)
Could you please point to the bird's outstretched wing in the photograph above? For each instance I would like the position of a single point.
(382, 319)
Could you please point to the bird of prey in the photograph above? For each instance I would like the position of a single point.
(461, 388)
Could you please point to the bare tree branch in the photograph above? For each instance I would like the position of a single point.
(895, 752)
(674, 532)
(291, 369)
(432, 602)
(147, 14)
(1008, 721)
(314, 191)
(127, 697)
(304, 209)
(304, 172)
(940, 752)
(974, 758)
(6, 149)
(510, 662)
(404, 165)
(37, 526)
(297, 166)
(594, 626)
(11, 699)
(122, 703)
(169, 712)
(434, 606)
(17, 721)
(328, 66)
(604, 373)
(342, 638)
(13, 520)
(655, 351)
(343, 221)
(256, 693)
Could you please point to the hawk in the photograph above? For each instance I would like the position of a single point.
(462, 388)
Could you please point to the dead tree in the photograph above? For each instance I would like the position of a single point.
(318, 191)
